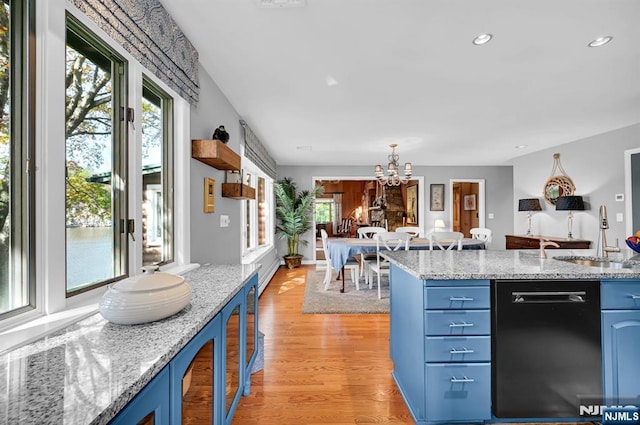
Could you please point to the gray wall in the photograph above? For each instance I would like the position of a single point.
(498, 193)
(596, 166)
(211, 243)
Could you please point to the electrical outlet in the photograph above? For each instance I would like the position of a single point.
(490, 216)
(224, 221)
(619, 217)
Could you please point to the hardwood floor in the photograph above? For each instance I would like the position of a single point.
(320, 368)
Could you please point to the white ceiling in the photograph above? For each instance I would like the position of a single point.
(408, 73)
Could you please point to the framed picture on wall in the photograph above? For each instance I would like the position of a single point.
(437, 197)
(469, 202)
(412, 204)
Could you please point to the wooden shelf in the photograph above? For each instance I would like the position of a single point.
(238, 191)
(215, 153)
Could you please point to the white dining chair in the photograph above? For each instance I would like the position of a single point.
(366, 260)
(446, 240)
(483, 234)
(351, 265)
(414, 231)
(387, 241)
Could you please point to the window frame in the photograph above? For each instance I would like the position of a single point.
(22, 157)
(250, 211)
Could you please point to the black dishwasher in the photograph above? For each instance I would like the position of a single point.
(545, 346)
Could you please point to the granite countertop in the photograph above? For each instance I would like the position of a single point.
(87, 372)
(510, 264)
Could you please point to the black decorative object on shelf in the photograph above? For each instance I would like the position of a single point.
(221, 134)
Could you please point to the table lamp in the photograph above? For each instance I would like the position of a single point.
(571, 204)
(528, 205)
(438, 225)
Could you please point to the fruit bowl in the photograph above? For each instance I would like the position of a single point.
(633, 243)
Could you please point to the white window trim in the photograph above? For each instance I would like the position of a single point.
(53, 310)
(250, 255)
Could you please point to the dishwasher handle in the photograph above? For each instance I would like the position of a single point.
(549, 297)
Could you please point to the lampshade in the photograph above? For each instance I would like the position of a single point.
(439, 224)
(529, 204)
(570, 203)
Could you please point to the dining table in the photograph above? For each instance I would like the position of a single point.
(341, 249)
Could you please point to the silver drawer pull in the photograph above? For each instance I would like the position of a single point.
(463, 380)
(463, 351)
(460, 325)
(460, 299)
(635, 297)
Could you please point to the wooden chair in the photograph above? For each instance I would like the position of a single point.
(387, 241)
(414, 231)
(367, 259)
(446, 240)
(351, 265)
(344, 228)
(483, 234)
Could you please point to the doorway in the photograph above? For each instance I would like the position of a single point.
(466, 205)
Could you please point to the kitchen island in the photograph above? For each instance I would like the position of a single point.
(446, 335)
(95, 371)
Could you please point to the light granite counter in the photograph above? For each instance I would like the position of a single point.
(87, 372)
(510, 264)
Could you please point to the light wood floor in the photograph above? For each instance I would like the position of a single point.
(320, 368)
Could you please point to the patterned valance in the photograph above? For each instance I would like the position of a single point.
(146, 30)
(256, 152)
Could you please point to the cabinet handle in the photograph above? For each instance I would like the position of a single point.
(463, 351)
(635, 297)
(461, 380)
(460, 299)
(460, 325)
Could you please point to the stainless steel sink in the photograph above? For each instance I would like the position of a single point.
(599, 262)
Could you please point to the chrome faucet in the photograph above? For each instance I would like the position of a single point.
(543, 245)
(603, 249)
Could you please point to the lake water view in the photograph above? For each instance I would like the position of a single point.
(89, 255)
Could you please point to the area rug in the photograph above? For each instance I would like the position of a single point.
(331, 301)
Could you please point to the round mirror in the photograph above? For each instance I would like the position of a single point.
(558, 186)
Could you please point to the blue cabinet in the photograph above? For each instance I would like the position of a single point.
(206, 379)
(150, 406)
(444, 329)
(620, 340)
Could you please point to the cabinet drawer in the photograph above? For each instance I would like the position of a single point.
(462, 297)
(458, 392)
(457, 348)
(620, 295)
(457, 322)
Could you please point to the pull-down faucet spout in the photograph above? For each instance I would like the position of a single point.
(603, 249)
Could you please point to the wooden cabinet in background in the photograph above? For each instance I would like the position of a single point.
(533, 242)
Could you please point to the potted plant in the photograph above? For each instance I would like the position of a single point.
(294, 210)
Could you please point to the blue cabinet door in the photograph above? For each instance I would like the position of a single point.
(621, 354)
(150, 406)
(195, 377)
(234, 337)
(251, 297)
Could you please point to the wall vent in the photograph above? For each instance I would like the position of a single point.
(279, 4)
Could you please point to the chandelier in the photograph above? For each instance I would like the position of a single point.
(393, 178)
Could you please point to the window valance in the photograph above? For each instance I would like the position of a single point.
(146, 30)
(255, 151)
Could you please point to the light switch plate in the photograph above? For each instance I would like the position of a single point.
(490, 216)
(224, 221)
(619, 197)
(619, 217)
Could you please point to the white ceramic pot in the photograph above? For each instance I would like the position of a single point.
(145, 298)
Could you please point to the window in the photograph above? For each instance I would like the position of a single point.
(324, 210)
(17, 289)
(96, 157)
(258, 222)
(157, 175)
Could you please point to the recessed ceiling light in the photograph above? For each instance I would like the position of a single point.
(521, 146)
(331, 81)
(482, 39)
(600, 41)
(304, 148)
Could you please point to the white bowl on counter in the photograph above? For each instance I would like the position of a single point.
(146, 298)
